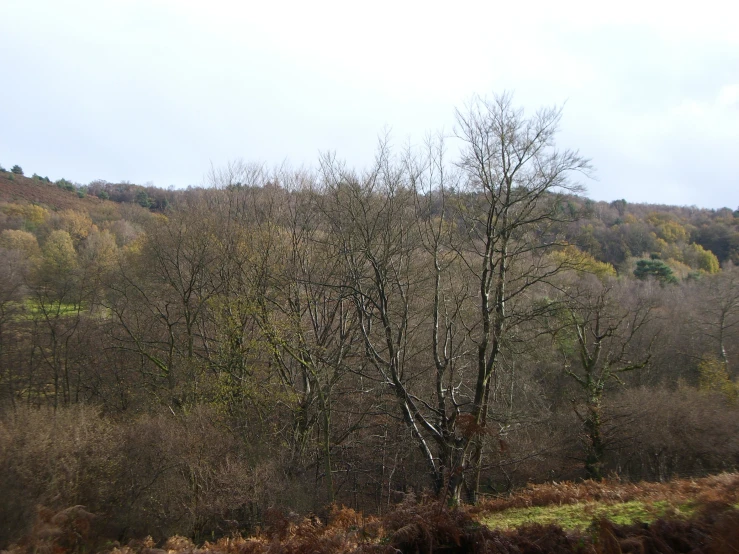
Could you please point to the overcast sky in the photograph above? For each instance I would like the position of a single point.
(157, 91)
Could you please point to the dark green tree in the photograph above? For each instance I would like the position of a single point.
(620, 206)
(655, 268)
(143, 200)
(18, 170)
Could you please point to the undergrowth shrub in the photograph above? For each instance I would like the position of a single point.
(714, 531)
(543, 449)
(663, 433)
(157, 474)
(208, 481)
(55, 460)
(412, 528)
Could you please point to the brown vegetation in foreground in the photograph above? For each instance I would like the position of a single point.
(412, 528)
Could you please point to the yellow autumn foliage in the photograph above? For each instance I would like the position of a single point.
(572, 257)
(20, 240)
(714, 377)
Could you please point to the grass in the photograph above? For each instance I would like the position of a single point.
(580, 516)
(34, 309)
(31, 310)
(574, 506)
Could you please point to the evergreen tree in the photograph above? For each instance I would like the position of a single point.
(655, 268)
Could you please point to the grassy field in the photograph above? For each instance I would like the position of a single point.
(581, 516)
(32, 309)
(575, 506)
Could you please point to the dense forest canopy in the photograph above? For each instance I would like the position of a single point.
(298, 337)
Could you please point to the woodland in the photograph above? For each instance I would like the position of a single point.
(454, 321)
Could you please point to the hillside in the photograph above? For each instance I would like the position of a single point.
(21, 189)
(688, 239)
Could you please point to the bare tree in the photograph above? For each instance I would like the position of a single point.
(162, 293)
(306, 316)
(718, 314)
(462, 270)
(602, 330)
(12, 275)
(516, 181)
(372, 230)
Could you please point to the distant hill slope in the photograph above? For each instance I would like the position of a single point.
(686, 238)
(20, 189)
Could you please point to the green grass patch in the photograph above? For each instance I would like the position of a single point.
(31, 310)
(580, 516)
(34, 310)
